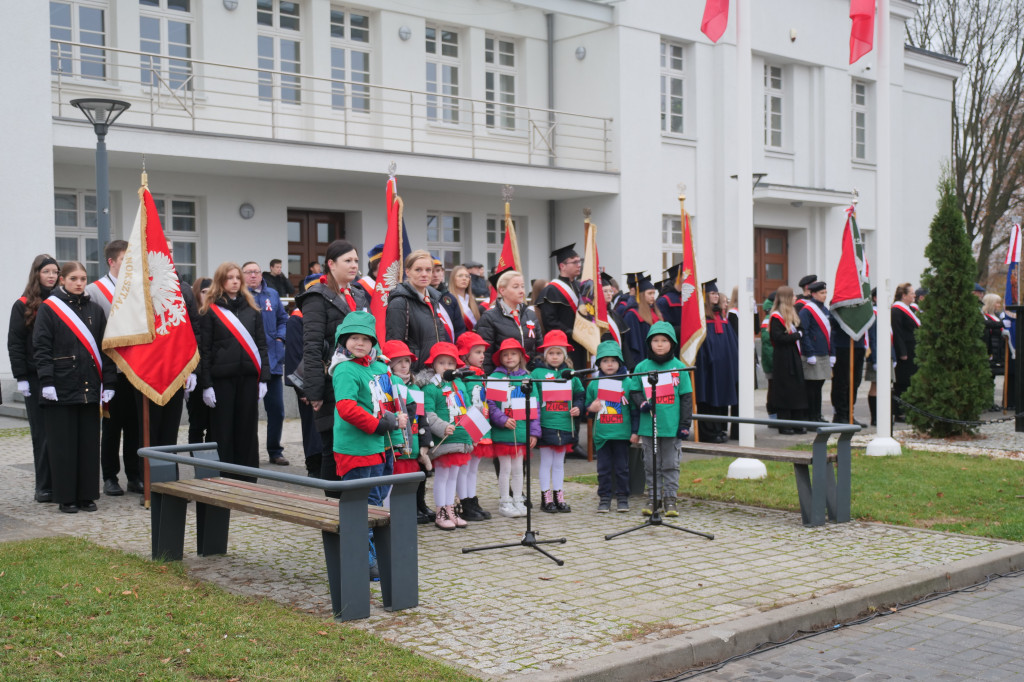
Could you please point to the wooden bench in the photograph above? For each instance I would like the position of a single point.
(342, 522)
(823, 479)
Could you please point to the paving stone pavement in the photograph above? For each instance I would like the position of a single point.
(512, 611)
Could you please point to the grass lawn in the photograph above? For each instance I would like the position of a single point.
(71, 610)
(943, 491)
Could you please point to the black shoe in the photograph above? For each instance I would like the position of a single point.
(423, 518)
(44, 496)
(374, 574)
(786, 432)
(135, 486)
(110, 487)
(799, 430)
(87, 505)
(471, 510)
(279, 461)
(547, 503)
(476, 505)
(560, 504)
(722, 438)
(68, 508)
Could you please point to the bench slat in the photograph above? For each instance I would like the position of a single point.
(769, 454)
(281, 494)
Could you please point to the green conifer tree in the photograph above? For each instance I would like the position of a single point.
(953, 379)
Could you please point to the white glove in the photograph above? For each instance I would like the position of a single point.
(811, 360)
(831, 361)
(50, 393)
(263, 389)
(792, 329)
(24, 389)
(107, 395)
(190, 383)
(1007, 322)
(209, 397)
(1005, 333)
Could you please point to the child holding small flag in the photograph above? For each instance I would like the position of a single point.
(561, 404)
(416, 459)
(508, 411)
(471, 350)
(613, 427)
(672, 397)
(404, 444)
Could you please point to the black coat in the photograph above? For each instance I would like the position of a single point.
(60, 358)
(322, 311)
(280, 284)
(786, 390)
(904, 331)
(409, 319)
(558, 312)
(220, 354)
(496, 325)
(19, 342)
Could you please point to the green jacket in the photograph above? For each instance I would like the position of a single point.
(435, 399)
(398, 436)
(614, 421)
(555, 415)
(675, 410)
(352, 381)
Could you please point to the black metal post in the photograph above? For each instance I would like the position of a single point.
(102, 198)
(1018, 387)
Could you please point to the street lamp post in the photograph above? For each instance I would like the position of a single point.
(101, 113)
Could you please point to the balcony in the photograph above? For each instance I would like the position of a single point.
(221, 99)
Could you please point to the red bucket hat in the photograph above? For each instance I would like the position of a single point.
(395, 349)
(555, 337)
(444, 348)
(467, 340)
(508, 344)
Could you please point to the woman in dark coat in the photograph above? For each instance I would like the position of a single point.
(508, 318)
(42, 277)
(73, 372)
(413, 315)
(904, 327)
(786, 387)
(233, 366)
(324, 306)
(717, 367)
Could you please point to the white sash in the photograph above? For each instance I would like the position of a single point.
(79, 329)
(819, 315)
(446, 319)
(900, 305)
(567, 291)
(240, 333)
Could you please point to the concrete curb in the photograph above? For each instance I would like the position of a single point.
(670, 656)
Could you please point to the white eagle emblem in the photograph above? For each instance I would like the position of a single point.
(390, 282)
(687, 289)
(165, 293)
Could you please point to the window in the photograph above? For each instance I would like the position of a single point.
(165, 36)
(74, 217)
(442, 75)
(671, 241)
(672, 79)
(81, 21)
(773, 94)
(859, 96)
(500, 82)
(279, 48)
(444, 238)
(350, 59)
(179, 219)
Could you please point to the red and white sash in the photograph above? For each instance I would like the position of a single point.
(368, 285)
(614, 330)
(241, 334)
(903, 307)
(105, 289)
(778, 316)
(446, 320)
(819, 317)
(77, 326)
(567, 291)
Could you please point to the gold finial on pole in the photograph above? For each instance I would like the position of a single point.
(586, 214)
(392, 169)
(506, 195)
(145, 176)
(682, 197)
(856, 196)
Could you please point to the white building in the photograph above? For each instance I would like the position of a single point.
(268, 126)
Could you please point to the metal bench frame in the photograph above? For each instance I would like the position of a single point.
(345, 552)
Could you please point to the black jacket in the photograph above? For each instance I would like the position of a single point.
(19, 342)
(279, 283)
(409, 319)
(497, 324)
(60, 358)
(322, 311)
(220, 353)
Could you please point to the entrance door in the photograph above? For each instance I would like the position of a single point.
(309, 233)
(771, 256)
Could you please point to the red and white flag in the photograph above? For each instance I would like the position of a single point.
(519, 408)
(509, 256)
(666, 386)
(609, 390)
(498, 391)
(692, 329)
(149, 334)
(556, 391)
(389, 270)
(862, 30)
(417, 397)
(715, 19)
(475, 423)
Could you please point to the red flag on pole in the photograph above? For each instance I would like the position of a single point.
(716, 18)
(692, 329)
(509, 257)
(149, 334)
(389, 271)
(862, 31)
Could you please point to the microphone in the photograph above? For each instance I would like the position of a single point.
(451, 374)
(570, 373)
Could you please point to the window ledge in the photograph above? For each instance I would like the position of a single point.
(506, 133)
(458, 129)
(86, 83)
(863, 164)
(678, 140)
(778, 153)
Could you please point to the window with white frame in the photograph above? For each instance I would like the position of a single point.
(79, 21)
(500, 82)
(444, 238)
(442, 46)
(671, 241)
(773, 111)
(279, 45)
(672, 83)
(859, 105)
(350, 59)
(180, 221)
(165, 38)
(75, 223)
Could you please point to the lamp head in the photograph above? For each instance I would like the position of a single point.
(101, 112)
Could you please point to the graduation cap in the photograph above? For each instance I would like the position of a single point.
(375, 253)
(664, 284)
(565, 253)
(674, 275)
(643, 283)
(607, 280)
(808, 279)
(710, 286)
(632, 277)
(816, 287)
(493, 279)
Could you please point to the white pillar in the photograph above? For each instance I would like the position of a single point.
(745, 218)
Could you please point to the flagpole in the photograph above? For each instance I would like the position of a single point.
(849, 405)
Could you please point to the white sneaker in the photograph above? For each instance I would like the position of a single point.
(507, 508)
(520, 506)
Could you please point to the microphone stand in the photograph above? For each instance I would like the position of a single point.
(655, 518)
(530, 536)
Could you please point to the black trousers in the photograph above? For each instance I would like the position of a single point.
(122, 427)
(198, 418)
(813, 388)
(328, 467)
(708, 431)
(73, 435)
(841, 382)
(40, 453)
(164, 420)
(233, 421)
(312, 445)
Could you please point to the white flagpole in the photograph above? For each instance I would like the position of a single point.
(883, 443)
(745, 218)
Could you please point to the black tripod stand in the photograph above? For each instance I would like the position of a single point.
(655, 517)
(530, 536)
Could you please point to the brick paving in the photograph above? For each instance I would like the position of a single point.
(512, 611)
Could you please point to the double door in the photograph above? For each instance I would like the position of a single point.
(309, 234)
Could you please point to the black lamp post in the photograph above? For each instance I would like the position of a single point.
(101, 113)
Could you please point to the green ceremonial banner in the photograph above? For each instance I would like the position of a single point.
(851, 293)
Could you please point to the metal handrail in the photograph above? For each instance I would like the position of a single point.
(820, 427)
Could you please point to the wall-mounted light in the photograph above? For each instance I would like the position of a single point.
(405, 33)
(796, 204)
(792, 35)
(230, 5)
(581, 53)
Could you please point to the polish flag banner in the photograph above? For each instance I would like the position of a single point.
(609, 390)
(498, 391)
(519, 408)
(715, 19)
(475, 423)
(666, 386)
(389, 270)
(862, 29)
(149, 334)
(554, 391)
(417, 397)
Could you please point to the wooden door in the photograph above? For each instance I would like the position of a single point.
(771, 261)
(309, 233)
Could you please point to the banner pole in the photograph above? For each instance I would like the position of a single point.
(850, 404)
(145, 444)
(1006, 373)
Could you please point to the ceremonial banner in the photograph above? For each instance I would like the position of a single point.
(149, 335)
(389, 270)
(1012, 293)
(862, 31)
(692, 329)
(592, 313)
(851, 293)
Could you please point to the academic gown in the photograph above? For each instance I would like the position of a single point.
(718, 364)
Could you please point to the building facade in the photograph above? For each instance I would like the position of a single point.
(267, 128)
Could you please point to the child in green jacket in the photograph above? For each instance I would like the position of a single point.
(613, 427)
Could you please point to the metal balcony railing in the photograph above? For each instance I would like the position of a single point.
(207, 97)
